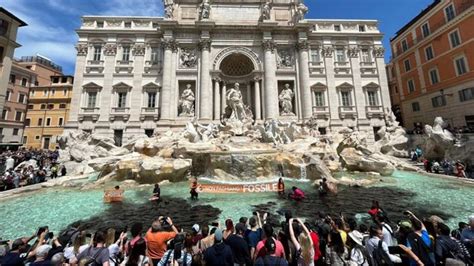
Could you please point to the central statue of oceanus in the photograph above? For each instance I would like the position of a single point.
(239, 116)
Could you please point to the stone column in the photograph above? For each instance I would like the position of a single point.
(249, 94)
(256, 90)
(359, 100)
(223, 98)
(138, 52)
(107, 99)
(76, 101)
(165, 96)
(205, 89)
(271, 91)
(217, 99)
(305, 90)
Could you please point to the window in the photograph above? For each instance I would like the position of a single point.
(449, 12)
(51, 106)
(40, 122)
(45, 93)
(65, 92)
(43, 106)
(55, 79)
(365, 53)
(319, 98)
(438, 101)
(155, 55)
(48, 122)
(25, 139)
(97, 52)
(18, 116)
(91, 99)
(429, 53)
(126, 53)
(411, 86)
(4, 114)
(461, 66)
(337, 27)
(53, 92)
(154, 25)
(100, 24)
(454, 39)
(62, 106)
(425, 29)
(466, 94)
(346, 98)
(361, 28)
(434, 76)
(372, 97)
(1, 54)
(404, 45)
(12, 78)
(122, 100)
(37, 137)
(15, 131)
(64, 80)
(60, 121)
(128, 24)
(315, 55)
(340, 56)
(31, 106)
(415, 106)
(407, 65)
(7, 97)
(1, 131)
(21, 98)
(151, 99)
(3, 27)
(32, 93)
(27, 122)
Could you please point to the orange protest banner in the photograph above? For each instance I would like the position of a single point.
(237, 188)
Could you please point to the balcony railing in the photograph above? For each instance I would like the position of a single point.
(433, 28)
(374, 111)
(120, 110)
(149, 109)
(347, 111)
(321, 111)
(150, 112)
(95, 62)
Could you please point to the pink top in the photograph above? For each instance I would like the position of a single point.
(279, 250)
(299, 193)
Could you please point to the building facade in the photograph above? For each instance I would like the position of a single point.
(48, 110)
(432, 69)
(9, 25)
(136, 75)
(12, 121)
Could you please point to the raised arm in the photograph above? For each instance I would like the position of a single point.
(292, 235)
(170, 222)
(416, 218)
(306, 230)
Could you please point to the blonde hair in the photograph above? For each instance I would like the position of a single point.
(110, 239)
(78, 242)
(306, 247)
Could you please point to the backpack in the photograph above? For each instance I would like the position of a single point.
(68, 236)
(91, 260)
(381, 257)
(461, 253)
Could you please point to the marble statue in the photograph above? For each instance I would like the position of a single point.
(186, 101)
(188, 58)
(266, 11)
(286, 100)
(205, 9)
(301, 11)
(169, 6)
(235, 102)
(207, 132)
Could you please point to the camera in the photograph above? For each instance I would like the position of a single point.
(41, 230)
(164, 221)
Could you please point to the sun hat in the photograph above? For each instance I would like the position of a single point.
(405, 224)
(357, 237)
(196, 228)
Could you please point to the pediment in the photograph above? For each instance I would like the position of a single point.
(121, 85)
(319, 85)
(151, 85)
(91, 85)
(345, 85)
(371, 85)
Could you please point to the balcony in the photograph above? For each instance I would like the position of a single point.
(122, 113)
(347, 112)
(153, 67)
(91, 113)
(321, 112)
(374, 111)
(342, 68)
(95, 66)
(317, 68)
(124, 66)
(368, 68)
(150, 113)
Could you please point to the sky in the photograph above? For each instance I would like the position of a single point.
(52, 23)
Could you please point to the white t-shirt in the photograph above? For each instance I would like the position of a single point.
(69, 251)
(387, 235)
(357, 258)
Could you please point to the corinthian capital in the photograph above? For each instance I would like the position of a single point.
(379, 52)
(327, 51)
(268, 45)
(139, 49)
(205, 44)
(302, 45)
(81, 48)
(170, 44)
(110, 49)
(353, 52)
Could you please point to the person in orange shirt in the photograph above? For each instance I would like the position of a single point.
(281, 187)
(162, 230)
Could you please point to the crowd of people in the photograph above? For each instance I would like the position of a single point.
(28, 166)
(326, 240)
(446, 167)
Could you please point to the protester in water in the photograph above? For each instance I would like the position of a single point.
(296, 194)
(281, 187)
(193, 191)
(156, 193)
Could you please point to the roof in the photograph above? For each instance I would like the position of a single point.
(415, 19)
(22, 23)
